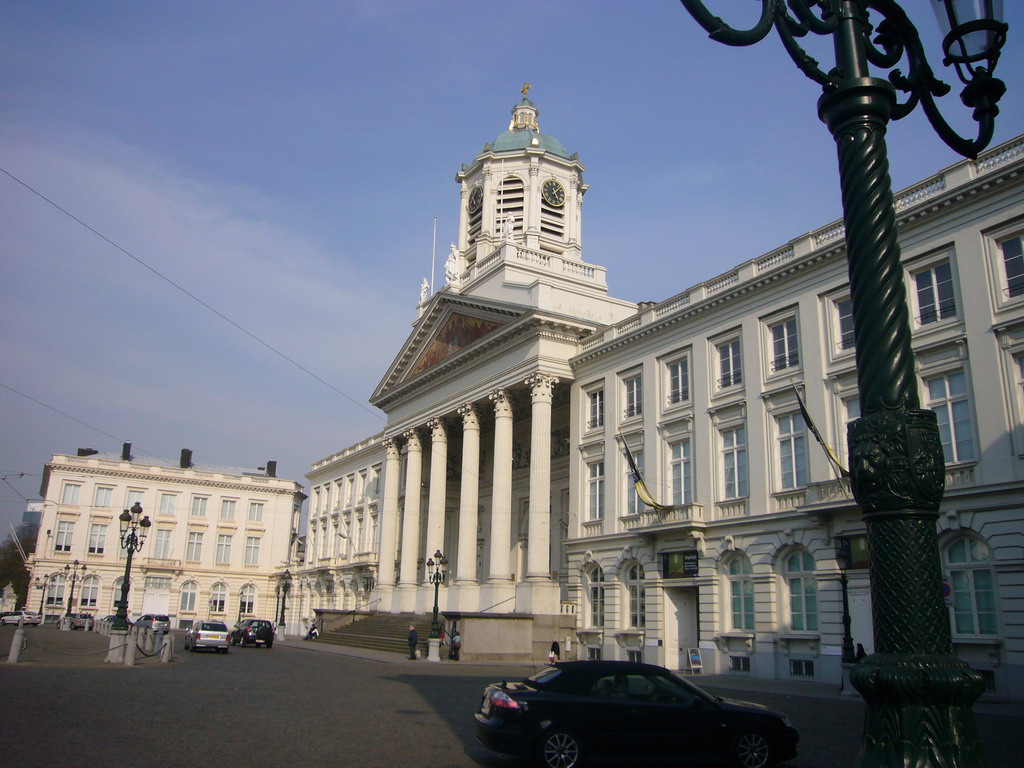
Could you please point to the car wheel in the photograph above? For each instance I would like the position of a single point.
(270, 643)
(752, 749)
(559, 749)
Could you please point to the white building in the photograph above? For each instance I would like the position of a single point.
(219, 541)
(507, 403)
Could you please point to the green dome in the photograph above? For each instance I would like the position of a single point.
(526, 139)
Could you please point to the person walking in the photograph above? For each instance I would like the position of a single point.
(414, 640)
(456, 645)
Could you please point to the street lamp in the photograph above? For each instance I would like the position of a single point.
(44, 585)
(133, 535)
(918, 694)
(72, 575)
(286, 585)
(844, 558)
(437, 563)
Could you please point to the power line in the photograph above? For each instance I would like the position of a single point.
(65, 415)
(188, 293)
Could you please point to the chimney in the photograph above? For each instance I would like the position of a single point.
(87, 451)
(271, 469)
(186, 458)
(126, 452)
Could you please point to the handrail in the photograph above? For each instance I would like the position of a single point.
(485, 610)
(349, 612)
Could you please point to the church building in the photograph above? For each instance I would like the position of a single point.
(524, 390)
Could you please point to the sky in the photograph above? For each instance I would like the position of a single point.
(215, 217)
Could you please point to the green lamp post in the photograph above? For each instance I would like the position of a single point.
(133, 535)
(918, 695)
(436, 575)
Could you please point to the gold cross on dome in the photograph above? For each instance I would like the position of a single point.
(526, 90)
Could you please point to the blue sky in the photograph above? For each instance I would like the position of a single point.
(284, 163)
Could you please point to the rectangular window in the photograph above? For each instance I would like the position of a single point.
(595, 490)
(742, 593)
(739, 663)
(947, 396)
(935, 300)
(199, 506)
(730, 371)
(134, 497)
(595, 403)
(255, 511)
(678, 373)
(162, 544)
(1013, 264)
(104, 497)
(633, 503)
(785, 351)
(223, 549)
(194, 551)
(801, 668)
(227, 509)
(69, 495)
(167, 501)
(734, 463)
(681, 470)
(65, 533)
(634, 656)
(792, 451)
(844, 317)
(97, 538)
(252, 550)
(634, 396)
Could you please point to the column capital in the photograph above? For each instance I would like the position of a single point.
(438, 431)
(412, 440)
(541, 385)
(502, 405)
(391, 446)
(470, 418)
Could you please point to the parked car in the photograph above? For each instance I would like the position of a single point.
(253, 632)
(207, 634)
(158, 621)
(78, 620)
(636, 712)
(13, 617)
(112, 616)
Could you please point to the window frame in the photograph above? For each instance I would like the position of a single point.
(940, 307)
(252, 550)
(783, 343)
(187, 596)
(680, 470)
(677, 380)
(970, 568)
(802, 589)
(194, 547)
(794, 465)
(198, 507)
(742, 613)
(65, 536)
(595, 408)
(97, 538)
(598, 596)
(944, 408)
(633, 395)
(735, 472)
(729, 363)
(223, 553)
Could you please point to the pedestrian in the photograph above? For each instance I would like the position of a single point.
(456, 645)
(555, 652)
(861, 653)
(414, 640)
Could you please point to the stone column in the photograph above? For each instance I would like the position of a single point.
(469, 498)
(409, 576)
(538, 565)
(438, 488)
(501, 489)
(389, 515)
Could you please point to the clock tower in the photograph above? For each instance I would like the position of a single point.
(524, 187)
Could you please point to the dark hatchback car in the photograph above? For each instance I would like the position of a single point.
(618, 710)
(253, 632)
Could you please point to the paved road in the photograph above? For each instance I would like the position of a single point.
(301, 704)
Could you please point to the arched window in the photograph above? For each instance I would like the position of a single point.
(637, 596)
(741, 593)
(247, 600)
(968, 563)
(116, 597)
(55, 594)
(218, 597)
(90, 592)
(596, 578)
(189, 590)
(803, 592)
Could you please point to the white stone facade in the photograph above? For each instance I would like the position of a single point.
(219, 542)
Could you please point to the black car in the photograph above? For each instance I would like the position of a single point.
(575, 710)
(253, 632)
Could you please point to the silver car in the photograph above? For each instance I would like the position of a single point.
(207, 634)
(158, 621)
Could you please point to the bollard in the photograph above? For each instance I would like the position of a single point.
(166, 650)
(115, 648)
(158, 641)
(16, 643)
(129, 649)
(147, 640)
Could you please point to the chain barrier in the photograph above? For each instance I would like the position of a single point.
(28, 642)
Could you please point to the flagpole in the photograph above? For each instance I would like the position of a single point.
(433, 252)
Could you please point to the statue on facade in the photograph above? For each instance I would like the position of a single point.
(424, 290)
(453, 267)
(508, 229)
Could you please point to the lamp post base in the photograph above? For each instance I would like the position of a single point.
(919, 710)
(434, 649)
(115, 648)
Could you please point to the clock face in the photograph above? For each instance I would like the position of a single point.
(476, 199)
(554, 193)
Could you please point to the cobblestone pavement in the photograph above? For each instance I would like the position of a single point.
(304, 703)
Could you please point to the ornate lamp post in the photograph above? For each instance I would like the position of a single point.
(133, 535)
(918, 694)
(43, 585)
(844, 558)
(286, 585)
(72, 575)
(436, 575)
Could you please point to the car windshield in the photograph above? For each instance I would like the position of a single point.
(543, 677)
(213, 626)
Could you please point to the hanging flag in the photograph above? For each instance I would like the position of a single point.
(837, 465)
(638, 481)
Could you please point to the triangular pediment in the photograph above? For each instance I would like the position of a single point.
(452, 326)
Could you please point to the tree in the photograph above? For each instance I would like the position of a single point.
(13, 569)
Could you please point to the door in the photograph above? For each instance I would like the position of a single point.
(682, 629)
